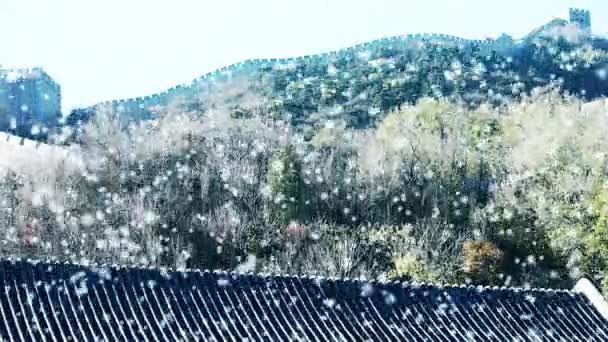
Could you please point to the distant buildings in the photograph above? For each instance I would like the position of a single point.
(30, 102)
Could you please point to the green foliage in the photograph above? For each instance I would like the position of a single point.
(595, 261)
(285, 183)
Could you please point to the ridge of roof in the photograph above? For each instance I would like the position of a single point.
(586, 287)
(583, 288)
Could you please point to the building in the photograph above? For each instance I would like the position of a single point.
(51, 301)
(581, 17)
(30, 102)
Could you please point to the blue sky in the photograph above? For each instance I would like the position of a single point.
(106, 49)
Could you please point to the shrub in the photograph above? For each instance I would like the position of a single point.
(481, 260)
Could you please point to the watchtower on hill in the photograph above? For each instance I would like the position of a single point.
(581, 17)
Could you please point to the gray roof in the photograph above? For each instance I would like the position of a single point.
(52, 301)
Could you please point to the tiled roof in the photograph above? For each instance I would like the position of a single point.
(47, 301)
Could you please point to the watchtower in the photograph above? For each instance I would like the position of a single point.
(581, 17)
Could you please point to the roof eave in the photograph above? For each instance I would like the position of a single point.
(586, 287)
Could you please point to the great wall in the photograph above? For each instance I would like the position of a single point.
(137, 107)
(26, 156)
(503, 45)
(34, 158)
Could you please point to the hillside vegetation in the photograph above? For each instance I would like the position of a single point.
(437, 191)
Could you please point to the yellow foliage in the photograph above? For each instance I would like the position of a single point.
(480, 257)
(412, 265)
(598, 239)
(428, 115)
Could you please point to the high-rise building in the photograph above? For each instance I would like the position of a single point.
(30, 102)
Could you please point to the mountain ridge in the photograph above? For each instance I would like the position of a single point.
(404, 68)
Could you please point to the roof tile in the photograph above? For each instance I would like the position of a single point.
(53, 301)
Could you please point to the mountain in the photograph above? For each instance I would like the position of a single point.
(359, 84)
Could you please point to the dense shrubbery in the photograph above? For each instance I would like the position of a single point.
(436, 192)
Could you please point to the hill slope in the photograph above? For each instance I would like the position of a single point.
(360, 83)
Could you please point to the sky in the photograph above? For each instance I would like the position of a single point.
(100, 50)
